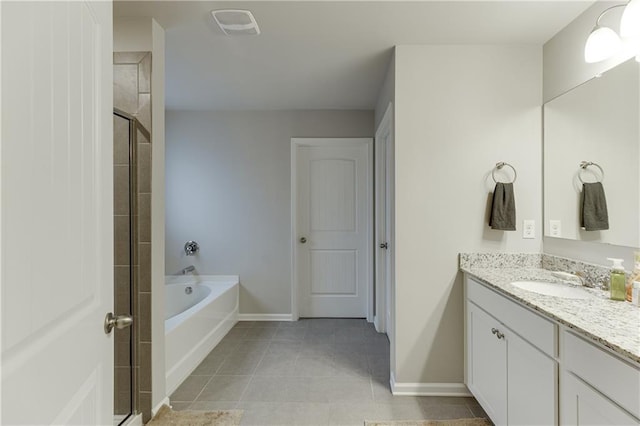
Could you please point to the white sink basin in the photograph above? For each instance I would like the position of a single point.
(553, 289)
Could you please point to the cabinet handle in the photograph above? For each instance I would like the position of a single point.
(497, 333)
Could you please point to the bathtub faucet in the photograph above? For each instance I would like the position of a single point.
(188, 269)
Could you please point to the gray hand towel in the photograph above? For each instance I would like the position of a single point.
(594, 215)
(503, 208)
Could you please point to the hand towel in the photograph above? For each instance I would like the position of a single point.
(503, 208)
(594, 215)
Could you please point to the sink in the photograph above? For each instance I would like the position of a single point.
(553, 289)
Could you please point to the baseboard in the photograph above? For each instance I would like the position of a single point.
(428, 389)
(265, 317)
(165, 401)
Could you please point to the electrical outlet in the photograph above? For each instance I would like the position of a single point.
(555, 228)
(529, 229)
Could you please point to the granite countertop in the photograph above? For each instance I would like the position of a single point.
(613, 324)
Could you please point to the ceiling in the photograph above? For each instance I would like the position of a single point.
(324, 54)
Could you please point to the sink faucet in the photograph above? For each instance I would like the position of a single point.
(582, 277)
(188, 269)
(572, 276)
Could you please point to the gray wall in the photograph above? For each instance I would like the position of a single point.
(453, 123)
(228, 187)
(564, 68)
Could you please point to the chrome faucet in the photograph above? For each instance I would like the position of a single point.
(582, 277)
(572, 276)
(188, 269)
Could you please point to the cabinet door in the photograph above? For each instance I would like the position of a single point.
(486, 361)
(531, 381)
(581, 405)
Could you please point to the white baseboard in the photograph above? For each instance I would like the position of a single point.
(165, 401)
(265, 317)
(428, 389)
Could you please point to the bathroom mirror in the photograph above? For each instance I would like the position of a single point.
(596, 122)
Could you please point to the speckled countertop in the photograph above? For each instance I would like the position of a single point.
(610, 323)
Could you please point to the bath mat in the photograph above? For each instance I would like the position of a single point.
(453, 422)
(167, 417)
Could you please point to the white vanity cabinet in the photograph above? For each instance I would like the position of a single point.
(510, 365)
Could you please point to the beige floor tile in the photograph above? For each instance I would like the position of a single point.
(224, 388)
(190, 388)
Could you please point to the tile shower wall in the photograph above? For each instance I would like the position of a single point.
(132, 94)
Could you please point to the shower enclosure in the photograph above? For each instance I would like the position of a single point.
(127, 134)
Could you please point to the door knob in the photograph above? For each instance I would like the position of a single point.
(384, 245)
(303, 240)
(119, 322)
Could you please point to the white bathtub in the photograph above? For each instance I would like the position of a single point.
(195, 323)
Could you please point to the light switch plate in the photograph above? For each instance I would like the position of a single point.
(529, 229)
(555, 228)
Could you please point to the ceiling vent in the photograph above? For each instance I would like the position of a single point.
(236, 22)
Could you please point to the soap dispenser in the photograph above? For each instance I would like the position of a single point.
(617, 280)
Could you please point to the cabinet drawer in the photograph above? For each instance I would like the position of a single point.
(613, 377)
(532, 327)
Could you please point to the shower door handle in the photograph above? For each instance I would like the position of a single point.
(119, 322)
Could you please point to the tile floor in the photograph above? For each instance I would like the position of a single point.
(309, 372)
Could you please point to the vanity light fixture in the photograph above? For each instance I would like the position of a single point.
(603, 42)
(630, 21)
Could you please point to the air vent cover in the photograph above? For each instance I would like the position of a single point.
(236, 22)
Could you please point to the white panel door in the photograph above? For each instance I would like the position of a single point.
(383, 318)
(56, 222)
(333, 193)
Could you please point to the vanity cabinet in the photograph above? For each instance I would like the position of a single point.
(596, 387)
(510, 365)
(583, 405)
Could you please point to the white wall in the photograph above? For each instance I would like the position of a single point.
(459, 110)
(563, 69)
(136, 35)
(228, 187)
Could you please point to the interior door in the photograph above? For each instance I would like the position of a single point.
(56, 221)
(333, 193)
(383, 213)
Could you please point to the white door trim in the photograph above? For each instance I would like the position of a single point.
(381, 233)
(295, 144)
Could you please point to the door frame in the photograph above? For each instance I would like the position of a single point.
(383, 223)
(297, 143)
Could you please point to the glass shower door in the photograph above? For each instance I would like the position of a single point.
(124, 262)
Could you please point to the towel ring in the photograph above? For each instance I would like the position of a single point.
(583, 167)
(499, 166)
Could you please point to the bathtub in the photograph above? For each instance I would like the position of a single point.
(196, 322)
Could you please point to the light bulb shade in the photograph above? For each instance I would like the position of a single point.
(630, 22)
(602, 44)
